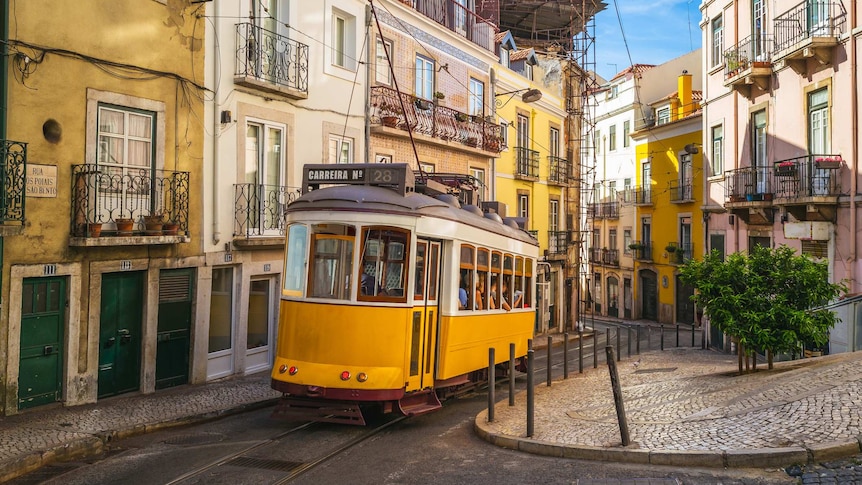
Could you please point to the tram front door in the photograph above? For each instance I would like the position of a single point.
(424, 324)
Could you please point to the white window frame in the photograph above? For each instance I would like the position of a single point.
(504, 56)
(339, 147)
(717, 28)
(424, 72)
(524, 206)
(343, 40)
(554, 142)
(382, 73)
(612, 138)
(626, 131)
(716, 134)
(477, 97)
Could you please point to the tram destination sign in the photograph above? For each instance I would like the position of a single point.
(395, 175)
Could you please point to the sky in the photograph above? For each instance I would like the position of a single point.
(656, 32)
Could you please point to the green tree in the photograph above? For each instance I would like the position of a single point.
(770, 300)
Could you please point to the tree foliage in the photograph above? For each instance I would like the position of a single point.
(770, 299)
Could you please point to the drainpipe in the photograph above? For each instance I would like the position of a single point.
(368, 76)
(216, 128)
(736, 120)
(854, 150)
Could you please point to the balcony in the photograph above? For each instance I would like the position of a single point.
(809, 186)
(259, 219)
(681, 253)
(609, 210)
(680, 192)
(392, 115)
(526, 164)
(749, 63)
(561, 171)
(750, 194)
(558, 242)
(641, 250)
(266, 61)
(112, 206)
(14, 169)
(458, 19)
(605, 256)
(808, 30)
(642, 196)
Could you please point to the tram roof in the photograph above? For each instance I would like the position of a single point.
(359, 198)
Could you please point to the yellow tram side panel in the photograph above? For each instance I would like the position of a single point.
(466, 338)
(323, 340)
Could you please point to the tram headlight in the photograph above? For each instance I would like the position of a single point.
(293, 370)
(282, 369)
(362, 377)
(345, 375)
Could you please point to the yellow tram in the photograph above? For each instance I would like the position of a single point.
(392, 297)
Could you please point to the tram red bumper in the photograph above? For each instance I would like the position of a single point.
(318, 392)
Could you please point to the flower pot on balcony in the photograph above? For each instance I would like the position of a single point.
(153, 225)
(170, 228)
(124, 226)
(423, 104)
(828, 163)
(786, 168)
(389, 120)
(94, 229)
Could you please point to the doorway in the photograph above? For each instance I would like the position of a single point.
(649, 293)
(176, 290)
(423, 334)
(220, 358)
(120, 333)
(40, 371)
(261, 322)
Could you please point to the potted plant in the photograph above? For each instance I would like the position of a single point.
(670, 248)
(439, 95)
(462, 117)
(153, 224)
(830, 163)
(124, 226)
(636, 246)
(785, 168)
(170, 228)
(422, 104)
(94, 229)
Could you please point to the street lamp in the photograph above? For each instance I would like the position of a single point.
(530, 95)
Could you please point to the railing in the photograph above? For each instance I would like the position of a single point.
(526, 163)
(427, 118)
(596, 255)
(259, 209)
(680, 254)
(459, 19)
(270, 57)
(561, 170)
(642, 196)
(593, 211)
(14, 170)
(807, 176)
(642, 250)
(749, 184)
(103, 194)
(611, 257)
(609, 210)
(680, 191)
(558, 241)
(751, 51)
(809, 19)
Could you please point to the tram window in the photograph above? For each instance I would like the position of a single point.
(419, 283)
(495, 296)
(508, 288)
(383, 261)
(433, 267)
(294, 260)
(332, 261)
(528, 282)
(482, 284)
(467, 270)
(518, 301)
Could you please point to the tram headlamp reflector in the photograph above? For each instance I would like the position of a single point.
(282, 369)
(293, 370)
(362, 377)
(345, 375)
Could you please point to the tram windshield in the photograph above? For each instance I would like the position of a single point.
(384, 272)
(331, 265)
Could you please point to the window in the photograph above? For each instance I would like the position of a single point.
(383, 272)
(221, 310)
(685, 241)
(523, 132)
(294, 261)
(554, 142)
(383, 75)
(717, 42)
(523, 206)
(646, 232)
(126, 139)
(467, 269)
(477, 97)
(716, 243)
(819, 137)
(381, 158)
(479, 174)
(627, 240)
(612, 238)
(427, 167)
(598, 142)
(613, 92)
(528, 71)
(646, 177)
(340, 149)
(612, 138)
(758, 150)
(272, 16)
(331, 266)
(759, 32)
(554, 243)
(717, 134)
(504, 134)
(626, 131)
(663, 115)
(424, 77)
(343, 40)
(504, 56)
(264, 176)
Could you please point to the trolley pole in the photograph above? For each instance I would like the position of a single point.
(491, 385)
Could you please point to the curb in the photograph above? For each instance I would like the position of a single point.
(95, 444)
(741, 458)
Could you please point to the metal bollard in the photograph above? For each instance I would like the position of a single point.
(580, 351)
(677, 335)
(565, 355)
(692, 335)
(608, 336)
(511, 374)
(550, 346)
(595, 346)
(661, 334)
(531, 394)
(629, 340)
(619, 355)
(638, 341)
(491, 385)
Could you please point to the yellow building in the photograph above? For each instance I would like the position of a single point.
(105, 100)
(668, 201)
(531, 174)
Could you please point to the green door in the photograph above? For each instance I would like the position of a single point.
(174, 331)
(120, 333)
(40, 371)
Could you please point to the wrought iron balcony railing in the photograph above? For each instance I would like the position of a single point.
(808, 20)
(558, 241)
(610, 257)
(13, 178)
(751, 52)
(526, 164)
(561, 171)
(642, 196)
(270, 58)
(609, 210)
(641, 250)
(427, 118)
(680, 191)
(107, 195)
(459, 19)
(595, 255)
(259, 209)
(807, 176)
(749, 184)
(680, 254)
